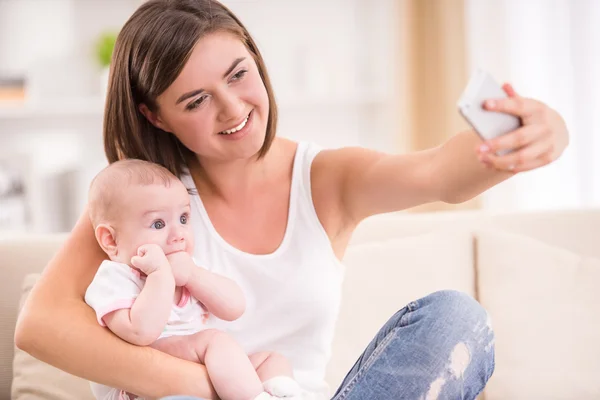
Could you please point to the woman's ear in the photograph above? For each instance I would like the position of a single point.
(105, 235)
(153, 118)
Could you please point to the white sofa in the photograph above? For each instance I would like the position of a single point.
(538, 274)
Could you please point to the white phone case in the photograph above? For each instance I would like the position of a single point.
(487, 124)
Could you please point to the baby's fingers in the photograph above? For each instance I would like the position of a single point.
(136, 261)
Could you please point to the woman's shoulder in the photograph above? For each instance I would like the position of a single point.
(326, 164)
(285, 145)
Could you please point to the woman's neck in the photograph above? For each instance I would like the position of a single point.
(234, 180)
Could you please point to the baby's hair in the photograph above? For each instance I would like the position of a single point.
(116, 178)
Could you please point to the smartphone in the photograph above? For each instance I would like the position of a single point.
(487, 124)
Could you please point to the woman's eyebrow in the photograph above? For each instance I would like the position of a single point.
(198, 91)
(233, 65)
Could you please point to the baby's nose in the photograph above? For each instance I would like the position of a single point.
(177, 236)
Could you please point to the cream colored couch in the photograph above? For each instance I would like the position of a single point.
(538, 274)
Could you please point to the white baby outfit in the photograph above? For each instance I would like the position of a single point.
(115, 287)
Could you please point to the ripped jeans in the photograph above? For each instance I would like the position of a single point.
(436, 348)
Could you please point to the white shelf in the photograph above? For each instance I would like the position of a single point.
(349, 100)
(53, 108)
(94, 107)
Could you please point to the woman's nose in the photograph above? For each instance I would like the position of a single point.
(231, 107)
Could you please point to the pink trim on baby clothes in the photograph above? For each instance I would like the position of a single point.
(137, 273)
(123, 395)
(185, 297)
(114, 306)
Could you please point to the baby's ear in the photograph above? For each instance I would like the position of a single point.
(105, 235)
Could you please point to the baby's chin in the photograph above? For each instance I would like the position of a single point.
(189, 252)
(122, 258)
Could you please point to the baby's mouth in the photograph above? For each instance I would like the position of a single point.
(175, 251)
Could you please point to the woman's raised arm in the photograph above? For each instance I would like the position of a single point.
(59, 328)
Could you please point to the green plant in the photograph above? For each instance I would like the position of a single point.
(104, 47)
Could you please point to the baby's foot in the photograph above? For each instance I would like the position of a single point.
(304, 395)
(282, 386)
(264, 396)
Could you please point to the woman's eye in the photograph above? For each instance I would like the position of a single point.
(239, 75)
(196, 103)
(183, 219)
(158, 224)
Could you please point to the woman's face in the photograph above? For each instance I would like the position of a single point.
(218, 106)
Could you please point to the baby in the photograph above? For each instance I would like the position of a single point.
(152, 293)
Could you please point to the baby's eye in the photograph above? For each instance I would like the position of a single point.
(183, 219)
(159, 224)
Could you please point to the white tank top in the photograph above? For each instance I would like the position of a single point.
(292, 294)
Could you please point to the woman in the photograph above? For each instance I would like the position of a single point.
(189, 90)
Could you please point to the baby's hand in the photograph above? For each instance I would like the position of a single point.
(150, 258)
(181, 263)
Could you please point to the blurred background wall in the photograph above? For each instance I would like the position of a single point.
(384, 74)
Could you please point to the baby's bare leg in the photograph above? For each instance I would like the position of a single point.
(231, 372)
(188, 347)
(269, 365)
(275, 372)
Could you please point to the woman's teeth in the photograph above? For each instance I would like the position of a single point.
(237, 128)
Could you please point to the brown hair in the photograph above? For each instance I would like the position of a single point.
(150, 52)
(103, 196)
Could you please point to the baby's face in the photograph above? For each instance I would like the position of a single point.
(154, 214)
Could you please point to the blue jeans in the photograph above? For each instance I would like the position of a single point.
(438, 347)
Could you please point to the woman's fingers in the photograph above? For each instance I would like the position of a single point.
(518, 138)
(538, 153)
(517, 105)
(509, 90)
(541, 161)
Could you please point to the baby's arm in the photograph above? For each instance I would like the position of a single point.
(143, 323)
(221, 296)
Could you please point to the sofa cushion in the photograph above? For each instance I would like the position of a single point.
(382, 277)
(545, 306)
(19, 256)
(34, 379)
(574, 230)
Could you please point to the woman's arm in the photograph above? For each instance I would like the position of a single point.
(372, 182)
(221, 296)
(57, 327)
(367, 182)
